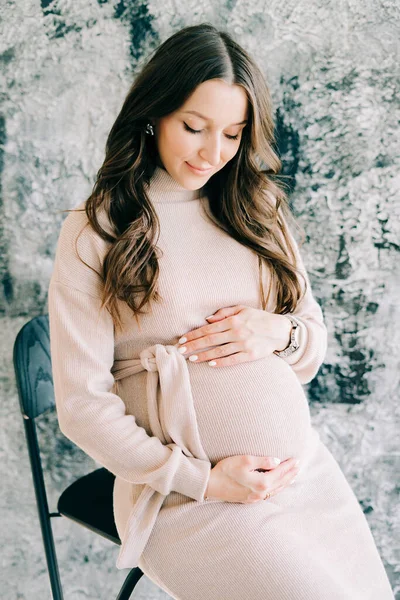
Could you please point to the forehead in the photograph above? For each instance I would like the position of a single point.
(220, 102)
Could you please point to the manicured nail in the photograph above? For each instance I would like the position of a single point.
(182, 350)
(182, 340)
(276, 461)
(212, 363)
(193, 357)
(293, 480)
(210, 317)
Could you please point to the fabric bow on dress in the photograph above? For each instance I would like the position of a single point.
(169, 393)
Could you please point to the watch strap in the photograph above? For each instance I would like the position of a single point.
(294, 336)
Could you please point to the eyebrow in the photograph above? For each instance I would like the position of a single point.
(194, 112)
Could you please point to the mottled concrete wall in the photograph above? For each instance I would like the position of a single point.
(334, 76)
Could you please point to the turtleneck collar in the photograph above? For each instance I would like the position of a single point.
(164, 188)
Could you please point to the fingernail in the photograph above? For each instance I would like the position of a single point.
(210, 317)
(193, 357)
(182, 340)
(212, 363)
(276, 461)
(293, 480)
(182, 350)
(296, 463)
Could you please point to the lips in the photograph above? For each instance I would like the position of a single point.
(199, 168)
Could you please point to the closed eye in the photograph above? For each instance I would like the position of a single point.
(230, 137)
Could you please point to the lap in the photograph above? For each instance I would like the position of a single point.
(310, 541)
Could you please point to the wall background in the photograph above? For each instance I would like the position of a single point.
(333, 70)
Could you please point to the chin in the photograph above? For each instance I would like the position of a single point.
(189, 181)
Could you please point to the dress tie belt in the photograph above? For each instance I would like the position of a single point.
(169, 393)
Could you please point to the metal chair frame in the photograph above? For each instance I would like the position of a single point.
(33, 373)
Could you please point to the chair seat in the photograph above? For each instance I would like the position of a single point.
(89, 502)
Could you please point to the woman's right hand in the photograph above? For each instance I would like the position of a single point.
(235, 478)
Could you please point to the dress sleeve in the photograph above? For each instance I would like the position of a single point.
(89, 413)
(309, 357)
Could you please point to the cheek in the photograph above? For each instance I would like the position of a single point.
(229, 151)
(232, 150)
(179, 142)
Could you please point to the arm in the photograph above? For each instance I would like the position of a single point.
(313, 335)
(89, 414)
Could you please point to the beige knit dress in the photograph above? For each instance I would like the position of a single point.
(160, 423)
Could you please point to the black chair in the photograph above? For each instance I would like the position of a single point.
(88, 501)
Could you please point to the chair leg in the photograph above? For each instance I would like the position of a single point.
(53, 572)
(43, 510)
(129, 584)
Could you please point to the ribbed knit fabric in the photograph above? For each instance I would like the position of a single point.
(159, 422)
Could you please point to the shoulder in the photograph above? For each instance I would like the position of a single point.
(76, 225)
(77, 242)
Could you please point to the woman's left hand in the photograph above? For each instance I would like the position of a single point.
(240, 334)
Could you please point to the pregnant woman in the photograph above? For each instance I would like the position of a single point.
(183, 327)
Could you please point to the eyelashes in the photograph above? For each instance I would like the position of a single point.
(187, 128)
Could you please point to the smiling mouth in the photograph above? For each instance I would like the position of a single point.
(198, 169)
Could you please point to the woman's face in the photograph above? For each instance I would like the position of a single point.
(224, 110)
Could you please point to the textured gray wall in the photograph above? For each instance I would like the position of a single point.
(334, 76)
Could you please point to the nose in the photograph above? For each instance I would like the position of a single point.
(211, 152)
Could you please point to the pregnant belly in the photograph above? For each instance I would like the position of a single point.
(257, 408)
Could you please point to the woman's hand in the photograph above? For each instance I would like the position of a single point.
(237, 479)
(240, 334)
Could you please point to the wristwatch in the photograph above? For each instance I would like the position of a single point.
(294, 338)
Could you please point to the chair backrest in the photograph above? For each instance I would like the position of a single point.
(32, 365)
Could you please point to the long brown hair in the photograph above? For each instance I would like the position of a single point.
(245, 200)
